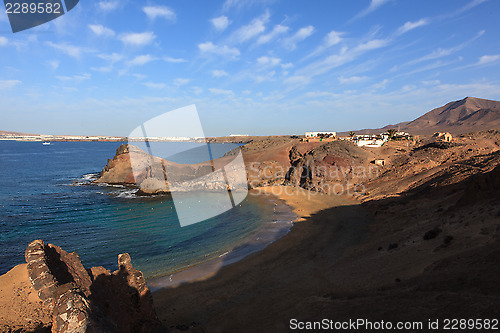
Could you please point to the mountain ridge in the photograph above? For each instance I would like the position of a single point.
(470, 114)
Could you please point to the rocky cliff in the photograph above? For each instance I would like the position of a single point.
(90, 300)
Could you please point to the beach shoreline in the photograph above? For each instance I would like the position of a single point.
(272, 279)
(267, 233)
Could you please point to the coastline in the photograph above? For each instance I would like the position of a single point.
(258, 292)
(267, 233)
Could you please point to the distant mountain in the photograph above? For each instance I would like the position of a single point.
(467, 115)
(5, 133)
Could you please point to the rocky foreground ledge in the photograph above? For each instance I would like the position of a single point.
(90, 300)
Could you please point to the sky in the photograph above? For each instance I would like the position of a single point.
(257, 67)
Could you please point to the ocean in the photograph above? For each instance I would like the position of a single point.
(46, 193)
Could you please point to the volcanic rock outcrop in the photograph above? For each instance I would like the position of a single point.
(132, 166)
(93, 300)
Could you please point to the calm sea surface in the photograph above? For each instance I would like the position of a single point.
(45, 194)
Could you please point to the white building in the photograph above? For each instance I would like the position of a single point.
(316, 134)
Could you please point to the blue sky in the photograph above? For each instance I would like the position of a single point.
(250, 66)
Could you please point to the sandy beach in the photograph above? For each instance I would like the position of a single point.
(265, 290)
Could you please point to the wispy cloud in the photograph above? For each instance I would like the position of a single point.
(54, 64)
(138, 39)
(174, 60)
(331, 39)
(219, 73)
(381, 85)
(71, 50)
(3, 41)
(113, 57)
(300, 35)
(277, 30)
(141, 60)
(181, 81)
(218, 91)
(374, 5)
(224, 50)
(254, 28)
(239, 4)
(411, 25)
(108, 6)
(345, 56)
(153, 85)
(352, 79)
(268, 61)
(101, 30)
(153, 12)
(7, 84)
(220, 23)
(488, 59)
(74, 78)
(463, 9)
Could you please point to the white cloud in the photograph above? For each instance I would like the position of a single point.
(300, 35)
(487, 59)
(277, 30)
(113, 57)
(220, 23)
(331, 39)
(268, 61)
(411, 25)
(7, 84)
(219, 73)
(431, 82)
(141, 60)
(298, 79)
(371, 45)
(181, 81)
(239, 4)
(197, 90)
(153, 85)
(138, 39)
(74, 78)
(101, 30)
(174, 60)
(287, 65)
(352, 79)
(267, 77)
(54, 64)
(381, 85)
(71, 50)
(374, 5)
(254, 28)
(224, 50)
(217, 91)
(153, 12)
(3, 41)
(345, 55)
(107, 6)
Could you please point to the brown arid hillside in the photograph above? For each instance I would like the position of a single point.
(466, 115)
(8, 133)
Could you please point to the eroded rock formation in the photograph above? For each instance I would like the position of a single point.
(93, 300)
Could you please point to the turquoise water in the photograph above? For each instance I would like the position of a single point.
(45, 194)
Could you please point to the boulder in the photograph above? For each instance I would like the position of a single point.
(93, 300)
